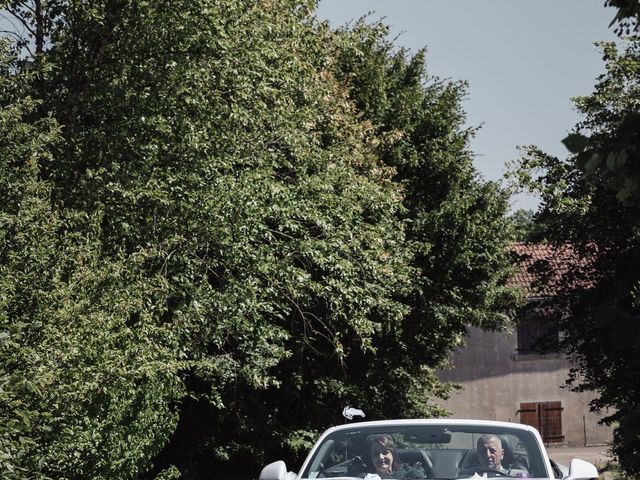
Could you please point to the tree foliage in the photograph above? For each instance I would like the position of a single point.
(77, 377)
(235, 222)
(627, 18)
(590, 200)
(527, 226)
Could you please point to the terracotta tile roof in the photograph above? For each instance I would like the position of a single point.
(542, 267)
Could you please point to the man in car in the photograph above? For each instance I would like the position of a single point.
(490, 452)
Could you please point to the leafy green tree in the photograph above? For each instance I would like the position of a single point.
(527, 226)
(77, 375)
(456, 233)
(25, 227)
(456, 222)
(256, 221)
(523, 223)
(590, 199)
(240, 176)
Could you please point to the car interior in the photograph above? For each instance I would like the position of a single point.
(440, 453)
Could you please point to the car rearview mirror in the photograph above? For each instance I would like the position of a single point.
(427, 435)
(581, 470)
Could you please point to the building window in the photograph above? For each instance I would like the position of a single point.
(546, 417)
(538, 333)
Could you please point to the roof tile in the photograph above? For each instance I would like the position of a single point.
(542, 267)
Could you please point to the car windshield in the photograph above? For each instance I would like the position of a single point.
(431, 451)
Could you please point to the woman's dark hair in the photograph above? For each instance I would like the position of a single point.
(385, 440)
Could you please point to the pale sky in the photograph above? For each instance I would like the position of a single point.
(523, 59)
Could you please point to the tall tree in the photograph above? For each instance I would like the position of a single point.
(236, 172)
(456, 221)
(456, 232)
(257, 234)
(590, 199)
(85, 392)
(25, 232)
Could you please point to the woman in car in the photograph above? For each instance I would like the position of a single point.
(384, 459)
(383, 453)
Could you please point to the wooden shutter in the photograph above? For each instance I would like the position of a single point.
(551, 421)
(529, 414)
(546, 417)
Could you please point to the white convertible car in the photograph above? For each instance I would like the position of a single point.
(430, 449)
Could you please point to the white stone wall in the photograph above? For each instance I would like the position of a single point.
(495, 381)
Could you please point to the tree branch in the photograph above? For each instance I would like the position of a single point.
(24, 23)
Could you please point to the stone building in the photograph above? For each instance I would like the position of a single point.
(517, 377)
